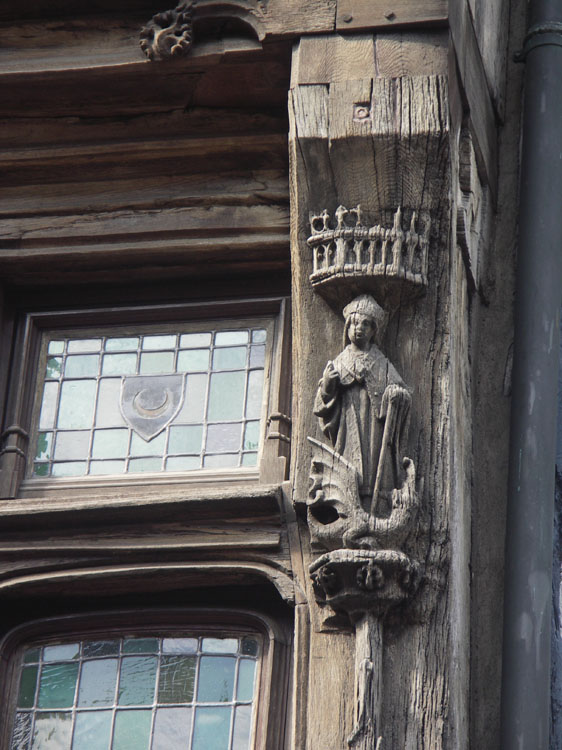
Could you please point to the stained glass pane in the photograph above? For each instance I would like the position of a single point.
(246, 672)
(251, 436)
(100, 648)
(107, 467)
(193, 360)
(257, 356)
(132, 730)
(108, 413)
(49, 405)
(22, 732)
(212, 728)
(156, 363)
(72, 444)
(250, 459)
(154, 447)
(216, 679)
(179, 645)
(32, 655)
(140, 465)
(228, 338)
(84, 345)
(119, 364)
(223, 437)
(172, 728)
(242, 728)
(61, 652)
(183, 463)
(44, 442)
(56, 347)
(97, 682)
(28, 686)
(177, 679)
(229, 358)
(76, 408)
(137, 681)
(81, 366)
(57, 685)
(54, 367)
(226, 396)
(219, 645)
(121, 344)
(52, 731)
(92, 730)
(193, 409)
(258, 336)
(195, 340)
(110, 443)
(254, 397)
(158, 342)
(220, 461)
(249, 647)
(74, 469)
(185, 439)
(140, 645)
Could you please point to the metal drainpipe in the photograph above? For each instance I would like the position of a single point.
(528, 564)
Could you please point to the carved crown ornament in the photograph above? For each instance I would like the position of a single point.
(169, 34)
(349, 257)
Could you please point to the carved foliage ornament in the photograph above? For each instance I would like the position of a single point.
(169, 34)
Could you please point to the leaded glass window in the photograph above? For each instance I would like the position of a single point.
(151, 401)
(154, 692)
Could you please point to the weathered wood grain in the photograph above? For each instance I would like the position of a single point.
(411, 53)
(361, 14)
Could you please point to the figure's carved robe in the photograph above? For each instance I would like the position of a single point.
(352, 421)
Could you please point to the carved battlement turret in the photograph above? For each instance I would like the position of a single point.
(350, 258)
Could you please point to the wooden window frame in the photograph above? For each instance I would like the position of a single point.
(272, 690)
(25, 379)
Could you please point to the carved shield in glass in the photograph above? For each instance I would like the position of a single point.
(150, 402)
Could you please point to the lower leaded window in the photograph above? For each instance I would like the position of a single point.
(188, 692)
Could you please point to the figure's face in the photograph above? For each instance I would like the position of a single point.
(361, 330)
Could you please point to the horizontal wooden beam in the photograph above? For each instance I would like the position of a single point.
(375, 14)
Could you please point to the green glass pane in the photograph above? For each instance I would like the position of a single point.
(195, 340)
(123, 344)
(132, 730)
(172, 727)
(49, 406)
(154, 447)
(56, 347)
(119, 364)
(31, 655)
(156, 363)
(242, 728)
(100, 648)
(54, 366)
(177, 678)
(69, 469)
(258, 336)
(219, 645)
(81, 366)
(216, 679)
(252, 436)
(84, 345)
(70, 445)
(159, 342)
(254, 396)
(137, 680)
(246, 672)
(249, 647)
(223, 438)
(61, 652)
(257, 356)
(110, 443)
(185, 439)
(98, 468)
(179, 645)
(249, 459)
(193, 408)
(57, 685)
(212, 728)
(44, 441)
(92, 730)
(98, 682)
(52, 731)
(108, 413)
(28, 686)
(229, 358)
(226, 396)
(76, 408)
(183, 463)
(221, 461)
(140, 646)
(193, 360)
(22, 732)
(228, 338)
(40, 470)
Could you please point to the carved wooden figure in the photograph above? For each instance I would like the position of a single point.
(363, 507)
